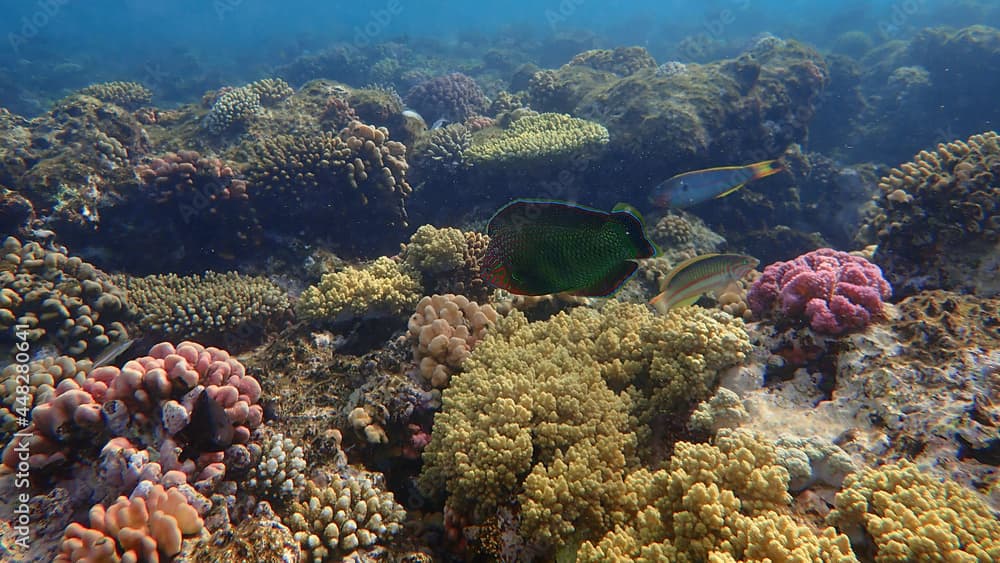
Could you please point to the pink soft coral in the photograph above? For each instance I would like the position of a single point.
(835, 291)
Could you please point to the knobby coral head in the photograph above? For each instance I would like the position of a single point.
(834, 291)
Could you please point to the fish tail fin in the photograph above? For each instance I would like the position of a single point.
(765, 168)
(659, 303)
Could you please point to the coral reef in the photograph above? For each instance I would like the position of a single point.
(235, 106)
(35, 386)
(129, 95)
(293, 178)
(721, 502)
(834, 291)
(140, 528)
(455, 97)
(208, 307)
(449, 261)
(58, 300)
(623, 61)
(348, 513)
(382, 287)
(547, 138)
(535, 410)
(938, 225)
(202, 209)
(435, 251)
(281, 472)
(78, 160)
(910, 516)
(444, 330)
(442, 151)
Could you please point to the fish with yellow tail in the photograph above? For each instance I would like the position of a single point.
(697, 276)
(691, 188)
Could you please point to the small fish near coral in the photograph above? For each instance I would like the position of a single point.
(691, 188)
(543, 247)
(697, 276)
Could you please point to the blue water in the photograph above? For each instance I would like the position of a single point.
(67, 44)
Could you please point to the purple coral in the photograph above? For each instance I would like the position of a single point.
(454, 96)
(835, 291)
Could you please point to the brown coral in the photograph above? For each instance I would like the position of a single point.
(938, 225)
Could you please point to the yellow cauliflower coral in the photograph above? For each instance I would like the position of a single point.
(541, 137)
(721, 502)
(382, 287)
(911, 516)
(540, 412)
(433, 251)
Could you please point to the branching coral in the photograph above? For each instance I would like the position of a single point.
(911, 516)
(294, 178)
(184, 307)
(236, 105)
(129, 95)
(348, 513)
(453, 96)
(382, 287)
(939, 221)
(435, 251)
(534, 410)
(542, 137)
(722, 502)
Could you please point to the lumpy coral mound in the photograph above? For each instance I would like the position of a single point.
(834, 291)
(938, 225)
(540, 413)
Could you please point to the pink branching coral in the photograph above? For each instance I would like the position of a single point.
(835, 291)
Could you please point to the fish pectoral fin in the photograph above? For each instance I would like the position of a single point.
(610, 283)
(730, 190)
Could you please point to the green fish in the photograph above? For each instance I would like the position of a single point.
(691, 188)
(542, 247)
(697, 276)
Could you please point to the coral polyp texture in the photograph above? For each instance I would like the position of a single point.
(454, 96)
(540, 138)
(938, 225)
(444, 330)
(212, 305)
(539, 414)
(727, 501)
(906, 515)
(351, 512)
(141, 528)
(293, 179)
(835, 292)
(35, 386)
(237, 105)
(449, 260)
(57, 300)
(383, 287)
(129, 95)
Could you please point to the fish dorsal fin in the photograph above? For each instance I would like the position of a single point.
(683, 265)
(521, 212)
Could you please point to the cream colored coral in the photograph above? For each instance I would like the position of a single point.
(381, 287)
(539, 137)
(444, 330)
(434, 251)
(724, 410)
(911, 516)
(337, 519)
